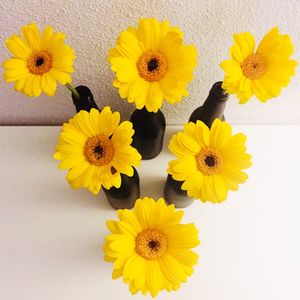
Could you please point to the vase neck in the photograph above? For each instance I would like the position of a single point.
(213, 107)
(86, 100)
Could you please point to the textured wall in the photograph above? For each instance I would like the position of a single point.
(93, 25)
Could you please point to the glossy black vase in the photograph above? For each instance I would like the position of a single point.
(86, 100)
(212, 108)
(149, 132)
(126, 195)
(175, 195)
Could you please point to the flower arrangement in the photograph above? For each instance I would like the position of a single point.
(206, 171)
(151, 64)
(149, 246)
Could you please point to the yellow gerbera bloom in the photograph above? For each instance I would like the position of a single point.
(152, 64)
(149, 247)
(96, 149)
(209, 161)
(38, 61)
(262, 73)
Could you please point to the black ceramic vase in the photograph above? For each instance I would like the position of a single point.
(126, 195)
(149, 133)
(86, 100)
(175, 195)
(212, 108)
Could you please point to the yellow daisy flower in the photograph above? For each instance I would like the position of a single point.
(209, 161)
(38, 61)
(262, 72)
(149, 247)
(152, 64)
(96, 149)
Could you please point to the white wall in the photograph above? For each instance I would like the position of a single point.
(93, 25)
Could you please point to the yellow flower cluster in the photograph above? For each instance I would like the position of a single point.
(149, 246)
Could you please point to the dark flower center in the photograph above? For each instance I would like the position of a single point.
(153, 245)
(210, 161)
(39, 62)
(98, 150)
(152, 64)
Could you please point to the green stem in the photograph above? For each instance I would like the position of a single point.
(73, 90)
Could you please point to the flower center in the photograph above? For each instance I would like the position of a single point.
(150, 244)
(39, 62)
(254, 66)
(99, 150)
(209, 161)
(152, 65)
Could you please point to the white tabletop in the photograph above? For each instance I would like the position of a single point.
(51, 236)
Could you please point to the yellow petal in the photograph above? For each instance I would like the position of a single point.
(189, 143)
(275, 43)
(123, 134)
(16, 74)
(183, 167)
(202, 134)
(173, 271)
(18, 47)
(193, 184)
(28, 85)
(36, 88)
(130, 218)
(46, 37)
(60, 76)
(149, 33)
(108, 121)
(154, 98)
(154, 277)
(244, 44)
(220, 134)
(220, 188)
(32, 36)
(48, 84)
(77, 171)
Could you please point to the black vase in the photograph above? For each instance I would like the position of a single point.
(175, 195)
(149, 132)
(212, 108)
(126, 195)
(86, 100)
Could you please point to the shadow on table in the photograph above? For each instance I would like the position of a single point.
(152, 187)
(60, 194)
